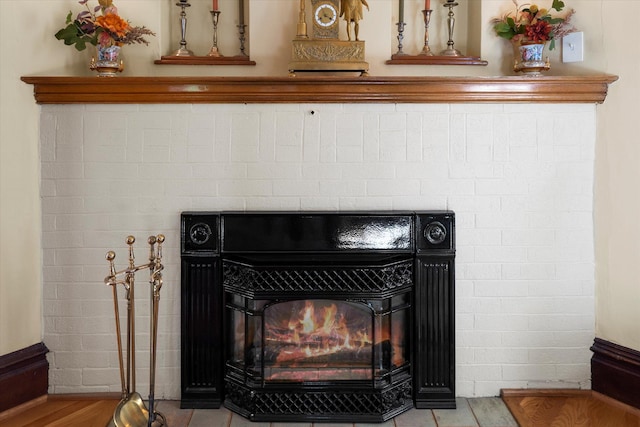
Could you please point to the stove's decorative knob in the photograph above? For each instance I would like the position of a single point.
(200, 233)
(435, 233)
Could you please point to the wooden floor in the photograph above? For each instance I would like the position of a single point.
(569, 408)
(530, 408)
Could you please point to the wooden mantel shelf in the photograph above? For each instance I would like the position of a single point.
(176, 90)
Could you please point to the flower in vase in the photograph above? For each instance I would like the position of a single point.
(531, 23)
(100, 25)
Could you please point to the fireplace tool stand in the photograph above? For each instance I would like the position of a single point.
(131, 410)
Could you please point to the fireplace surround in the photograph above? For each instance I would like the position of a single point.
(318, 316)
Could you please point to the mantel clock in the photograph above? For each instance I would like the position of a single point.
(323, 50)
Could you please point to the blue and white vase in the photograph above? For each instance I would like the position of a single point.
(529, 58)
(108, 62)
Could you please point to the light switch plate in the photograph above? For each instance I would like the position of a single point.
(573, 47)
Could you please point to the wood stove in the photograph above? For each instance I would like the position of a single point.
(318, 316)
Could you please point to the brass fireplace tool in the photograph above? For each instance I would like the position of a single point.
(131, 410)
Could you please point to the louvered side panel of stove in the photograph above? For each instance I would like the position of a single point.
(202, 340)
(434, 357)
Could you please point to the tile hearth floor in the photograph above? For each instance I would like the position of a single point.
(477, 412)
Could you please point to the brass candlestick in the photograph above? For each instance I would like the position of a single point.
(215, 15)
(182, 50)
(451, 21)
(426, 50)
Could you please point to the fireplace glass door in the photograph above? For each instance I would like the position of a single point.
(318, 339)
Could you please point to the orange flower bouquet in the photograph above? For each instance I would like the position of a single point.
(104, 30)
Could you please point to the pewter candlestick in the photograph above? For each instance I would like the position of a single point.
(182, 50)
(426, 50)
(400, 37)
(451, 21)
(215, 15)
(241, 26)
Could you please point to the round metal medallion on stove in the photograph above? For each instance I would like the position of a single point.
(200, 233)
(435, 232)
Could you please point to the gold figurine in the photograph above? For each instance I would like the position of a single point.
(352, 12)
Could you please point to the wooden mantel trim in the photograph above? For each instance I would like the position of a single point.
(177, 90)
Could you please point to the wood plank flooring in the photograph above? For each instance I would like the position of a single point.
(529, 408)
(569, 408)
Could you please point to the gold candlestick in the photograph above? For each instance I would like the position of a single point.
(426, 50)
(215, 52)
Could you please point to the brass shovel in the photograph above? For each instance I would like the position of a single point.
(130, 411)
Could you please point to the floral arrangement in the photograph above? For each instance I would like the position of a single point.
(529, 22)
(106, 29)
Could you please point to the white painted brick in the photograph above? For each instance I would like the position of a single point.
(380, 187)
(538, 339)
(503, 254)
(557, 287)
(478, 372)
(501, 322)
(465, 388)
(62, 170)
(476, 170)
(366, 203)
(447, 186)
(501, 288)
(476, 305)
(349, 154)
(482, 339)
(500, 355)
(271, 203)
(559, 322)
(342, 188)
(365, 171)
(69, 377)
(321, 172)
(295, 188)
(493, 388)
(525, 264)
(529, 271)
(556, 356)
(413, 203)
(246, 188)
(529, 372)
(478, 271)
(393, 147)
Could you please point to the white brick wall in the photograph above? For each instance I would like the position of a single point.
(519, 178)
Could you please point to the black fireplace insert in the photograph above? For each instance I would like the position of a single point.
(318, 316)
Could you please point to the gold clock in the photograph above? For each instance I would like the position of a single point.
(325, 20)
(323, 50)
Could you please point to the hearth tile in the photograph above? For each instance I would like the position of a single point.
(492, 412)
(416, 418)
(462, 416)
(240, 421)
(389, 423)
(333, 425)
(211, 418)
(175, 416)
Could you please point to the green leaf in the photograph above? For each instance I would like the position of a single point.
(557, 5)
